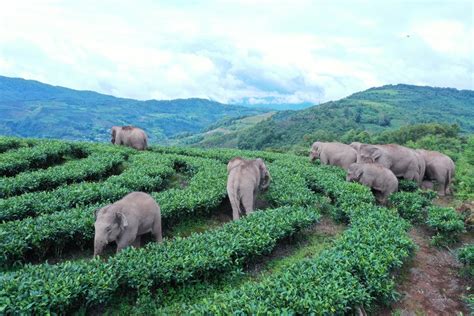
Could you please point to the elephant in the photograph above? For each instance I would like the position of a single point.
(356, 146)
(440, 168)
(381, 180)
(126, 220)
(336, 154)
(129, 136)
(404, 162)
(245, 179)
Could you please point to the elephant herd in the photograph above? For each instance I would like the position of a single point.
(380, 166)
(375, 166)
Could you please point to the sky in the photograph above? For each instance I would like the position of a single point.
(254, 52)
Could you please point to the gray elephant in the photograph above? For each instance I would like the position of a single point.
(126, 220)
(404, 162)
(381, 180)
(439, 168)
(356, 146)
(245, 179)
(335, 154)
(129, 136)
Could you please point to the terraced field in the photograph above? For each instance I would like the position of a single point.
(280, 259)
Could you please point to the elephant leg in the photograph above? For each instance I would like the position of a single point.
(235, 204)
(156, 230)
(138, 242)
(126, 240)
(248, 203)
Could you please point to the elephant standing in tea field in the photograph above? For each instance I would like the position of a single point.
(245, 179)
(126, 220)
(129, 136)
(335, 154)
(375, 176)
(440, 168)
(404, 162)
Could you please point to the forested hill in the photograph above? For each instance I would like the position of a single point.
(373, 110)
(33, 109)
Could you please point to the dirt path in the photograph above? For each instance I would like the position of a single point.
(431, 284)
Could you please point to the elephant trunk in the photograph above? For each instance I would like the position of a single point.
(99, 245)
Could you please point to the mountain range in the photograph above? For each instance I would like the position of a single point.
(33, 109)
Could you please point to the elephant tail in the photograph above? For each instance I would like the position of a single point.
(145, 143)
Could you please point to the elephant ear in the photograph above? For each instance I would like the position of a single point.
(373, 152)
(121, 220)
(358, 173)
(264, 174)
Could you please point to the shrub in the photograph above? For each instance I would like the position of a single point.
(446, 223)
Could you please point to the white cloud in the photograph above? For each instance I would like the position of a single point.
(231, 51)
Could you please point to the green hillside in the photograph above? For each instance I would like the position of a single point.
(374, 110)
(33, 109)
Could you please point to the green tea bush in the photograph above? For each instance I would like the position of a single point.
(9, 143)
(94, 167)
(59, 288)
(410, 205)
(36, 237)
(42, 155)
(466, 256)
(146, 172)
(407, 185)
(446, 223)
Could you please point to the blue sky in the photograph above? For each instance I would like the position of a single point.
(238, 51)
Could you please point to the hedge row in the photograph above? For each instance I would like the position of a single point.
(95, 167)
(9, 143)
(44, 154)
(146, 172)
(39, 236)
(355, 272)
(446, 223)
(44, 288)
(466, 256)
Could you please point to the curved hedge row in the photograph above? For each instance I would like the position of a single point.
(44, 154)
(146, 172)
(44, 288)
(9, 143)
(35, 237)
(351, 274)
(94, 167)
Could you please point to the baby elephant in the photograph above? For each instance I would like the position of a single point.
(382, 180)
(126, 220)
(245, 179)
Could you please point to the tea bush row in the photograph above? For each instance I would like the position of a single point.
(60, 288)
(446, 223)
(355, 272)
(44, 154)
(146, 172)
(94, 167)
(36, 237)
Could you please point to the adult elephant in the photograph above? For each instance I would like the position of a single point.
(335, 154)
(245, 179)
(439, 168)
(129, 136)
(404, 162)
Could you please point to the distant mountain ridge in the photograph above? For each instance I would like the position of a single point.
(374, 110)
(33, 109)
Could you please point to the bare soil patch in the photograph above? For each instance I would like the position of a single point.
(430, 284)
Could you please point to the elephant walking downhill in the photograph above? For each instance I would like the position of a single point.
(126, 220)
(129, 136)
(245, 179)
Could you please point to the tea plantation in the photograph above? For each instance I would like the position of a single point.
(50, 189)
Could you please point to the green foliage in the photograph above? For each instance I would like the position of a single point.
(446, 223)
(410, 205)
(465, 172)
(466, 256)
(42, 155)
(145, 173)
(94, 167)
(407, 185)
(62, 287)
